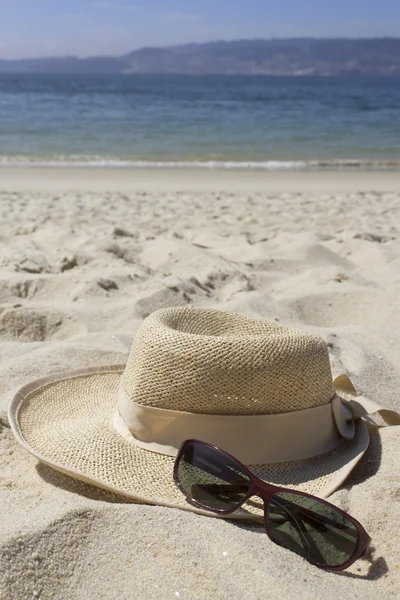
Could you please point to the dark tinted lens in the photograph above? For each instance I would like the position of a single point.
(211, 478)
(311, 528)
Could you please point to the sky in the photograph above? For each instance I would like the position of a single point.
(37, 28)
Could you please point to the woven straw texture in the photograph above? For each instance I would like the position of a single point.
(68, 424)
(214, 362)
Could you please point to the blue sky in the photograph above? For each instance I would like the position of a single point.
(85, 27)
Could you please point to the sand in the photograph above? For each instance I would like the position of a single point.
(85, 255)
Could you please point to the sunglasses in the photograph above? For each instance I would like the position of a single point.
(313, 528)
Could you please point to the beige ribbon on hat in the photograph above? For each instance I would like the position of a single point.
(254, 439)
(363, 407)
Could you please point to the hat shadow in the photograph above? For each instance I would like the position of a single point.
(368, 466)
(75, 486)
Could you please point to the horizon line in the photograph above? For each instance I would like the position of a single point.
(217, 41)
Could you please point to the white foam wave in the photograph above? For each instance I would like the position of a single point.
(269, 165)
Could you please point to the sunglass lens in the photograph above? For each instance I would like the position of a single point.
(211, 478)
(313, 529)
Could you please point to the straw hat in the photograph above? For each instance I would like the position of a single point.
(257, 389)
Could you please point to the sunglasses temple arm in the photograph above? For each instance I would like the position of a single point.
(229, 487)
(312, 517)
(308, 542)
(308, 515)
(365, 546)
(303, 533)
(221, 471)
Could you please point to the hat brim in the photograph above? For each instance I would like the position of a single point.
(66, 421)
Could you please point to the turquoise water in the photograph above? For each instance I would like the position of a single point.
(230, 121)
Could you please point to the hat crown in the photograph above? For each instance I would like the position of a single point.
(214, 362)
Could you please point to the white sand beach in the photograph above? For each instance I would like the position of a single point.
(86, 255)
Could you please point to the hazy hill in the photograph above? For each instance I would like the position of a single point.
(303, 56)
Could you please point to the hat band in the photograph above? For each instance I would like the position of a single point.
(253, 439)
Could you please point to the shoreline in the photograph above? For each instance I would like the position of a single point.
(101, 179)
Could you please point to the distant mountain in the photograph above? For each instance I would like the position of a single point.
(302, 56)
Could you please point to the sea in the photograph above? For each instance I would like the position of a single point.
(178, 121)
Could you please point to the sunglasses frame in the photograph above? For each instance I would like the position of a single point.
(265, 491)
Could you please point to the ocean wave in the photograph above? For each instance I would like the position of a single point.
(267, 165)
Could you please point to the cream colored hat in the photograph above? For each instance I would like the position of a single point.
(259, 390)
